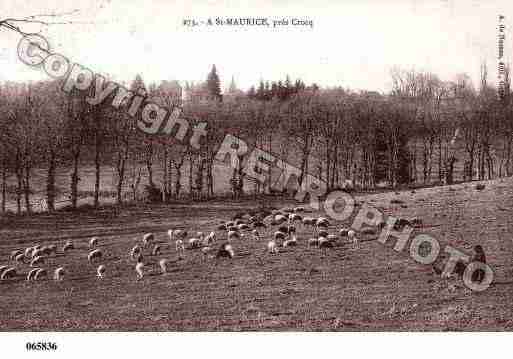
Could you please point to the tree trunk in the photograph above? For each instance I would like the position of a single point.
(75, 179)
(50, 183)
(97, 168)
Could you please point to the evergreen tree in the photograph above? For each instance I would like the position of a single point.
(214, 84)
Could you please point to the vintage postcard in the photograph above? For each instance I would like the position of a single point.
(254, 166)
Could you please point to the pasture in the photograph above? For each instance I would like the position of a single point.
(367, 287)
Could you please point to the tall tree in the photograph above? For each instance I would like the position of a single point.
(214, 84)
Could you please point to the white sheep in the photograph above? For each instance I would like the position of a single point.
(210, 238)
(136, 250)
(93, 242)
(38, 253)
(232, 235)
(308, 221)
(163, 265)
(292, 242)
(31, 274)
(280, 218)
(242, 227)
(96, 254)
(4, 267)
(272, 247)
(351, 235)
(41, 272)
(156, 250)
(147, 239)
(194, 242)
(100, 271)
(36, 260)
(139, 269)
(19, 258)
(58, 273)
(206, 250)
(8, 273)
(179, 246)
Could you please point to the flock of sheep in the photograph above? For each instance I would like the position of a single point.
(276, 228)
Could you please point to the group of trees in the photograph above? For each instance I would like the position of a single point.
(415, 134)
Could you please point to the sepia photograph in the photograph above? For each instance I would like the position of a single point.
(322, 172)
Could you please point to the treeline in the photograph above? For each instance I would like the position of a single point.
(413, 135)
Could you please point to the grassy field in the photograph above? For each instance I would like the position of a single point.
(366, 288)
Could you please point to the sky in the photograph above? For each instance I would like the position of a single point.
(353, 43)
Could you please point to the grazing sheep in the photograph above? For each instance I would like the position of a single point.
(96, 254)
(8, 273)
(139, 269)
(206, 250)
(15, 253)
(19, 258)
(179, 246)
(226, 251)
(31, 274)
(210, 238)
(351, 235)
(93, 242)
(58, 274)
(36, 260)
(156, 250)
(292, 242)
(232, 235)
(308, 221)
(163, 265)
(67, 247)
(147, 239)
(280, 218)
(38, 252)
(294, 217)
(136, 250)
(41, 272)
(194, 242)
(180, 233)
(100, 271)
(272, 247)
(2, 268)
(242, 227)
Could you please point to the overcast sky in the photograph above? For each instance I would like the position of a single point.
(353, 43)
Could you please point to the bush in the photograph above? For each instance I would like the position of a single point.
(153, 194)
